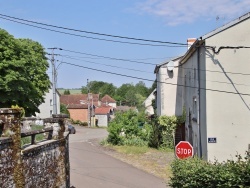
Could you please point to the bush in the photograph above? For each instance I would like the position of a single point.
(78, 122)
(124, 129)
(195, 172)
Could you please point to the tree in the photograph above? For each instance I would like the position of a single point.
(84, 90)
(142, 89)
(23, 77)
(99, 87)
(121, 93)
(107, 89)
(66, 92)
(63, 109)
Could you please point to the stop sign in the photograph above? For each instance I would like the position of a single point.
(184, 150)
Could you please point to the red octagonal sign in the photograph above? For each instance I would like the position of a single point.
(184, 150)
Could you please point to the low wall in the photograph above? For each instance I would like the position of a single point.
(45, 164)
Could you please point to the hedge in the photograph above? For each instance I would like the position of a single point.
(196, 173)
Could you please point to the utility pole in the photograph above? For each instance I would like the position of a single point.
(53, 81)
(88, 103)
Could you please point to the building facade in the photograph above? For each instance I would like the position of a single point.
(214, 75)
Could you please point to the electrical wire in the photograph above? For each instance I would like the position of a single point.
(112, 66)
(107, 57)
(141, 62)
(148, 72)
(243, 74)
(100, 39)
(96, 33)
(145, 79)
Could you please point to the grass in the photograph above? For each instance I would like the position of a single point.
(72, 91)
(134, 150)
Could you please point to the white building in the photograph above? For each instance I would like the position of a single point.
(46, 108)
(148, 103)
(214, 75)
(167, 89)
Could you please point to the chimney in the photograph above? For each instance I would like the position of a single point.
(190, 41)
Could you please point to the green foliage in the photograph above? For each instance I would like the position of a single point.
(126, 95)
(124, 129)
(63, 109)
(100, 87)
(132, 95)
(23, 77)
(195, 172)
(78, 122)
(66, 92)
(19, 108)
(164, 129)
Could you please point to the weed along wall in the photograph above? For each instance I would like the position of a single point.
(41, 164)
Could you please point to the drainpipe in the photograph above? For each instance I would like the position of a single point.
(199, 118)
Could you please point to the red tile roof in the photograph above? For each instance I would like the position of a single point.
(107, 99)
(103, 110)
(78, 99)
(77, 106)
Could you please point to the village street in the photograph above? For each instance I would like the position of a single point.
(90, 167)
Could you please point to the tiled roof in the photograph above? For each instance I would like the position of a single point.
(77, 106)
(102, 110)
(107, 99)
(78, 99)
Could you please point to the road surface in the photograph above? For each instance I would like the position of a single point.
(92, 168)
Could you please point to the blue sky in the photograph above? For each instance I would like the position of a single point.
(162, 20)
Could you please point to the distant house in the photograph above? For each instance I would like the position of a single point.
(108, 101)
(103, 115)
(77, 105)
(46, 108)
(148, 103)
(213, 75)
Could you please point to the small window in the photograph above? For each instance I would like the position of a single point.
(51, 102)
(51, 113)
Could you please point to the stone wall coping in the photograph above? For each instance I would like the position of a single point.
(9, 111)
(30, 118)
(43, 144)
(4, 140)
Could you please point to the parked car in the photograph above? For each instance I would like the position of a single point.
(71, 129)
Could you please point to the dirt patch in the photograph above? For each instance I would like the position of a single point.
(153, 161)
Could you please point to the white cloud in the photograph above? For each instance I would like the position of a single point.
(188, 11)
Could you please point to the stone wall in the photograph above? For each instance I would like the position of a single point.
(45, 164)
(6, 162)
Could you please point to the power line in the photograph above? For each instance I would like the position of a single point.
(148, 72)
(83, 36)
(243, 74)
(107, 57)
(113, 66)
(141, 62)
(96, 33)
(145, 79)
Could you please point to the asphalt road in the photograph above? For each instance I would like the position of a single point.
(92, 168)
